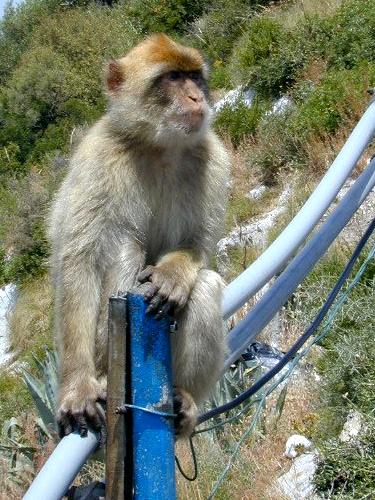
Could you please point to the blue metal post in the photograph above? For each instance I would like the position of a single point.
(151, 388)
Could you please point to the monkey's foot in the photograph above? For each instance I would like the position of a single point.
(187, 412)
(81, 409)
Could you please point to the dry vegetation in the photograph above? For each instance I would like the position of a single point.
(328, 88)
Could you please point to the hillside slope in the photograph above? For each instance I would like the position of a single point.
(317, 56)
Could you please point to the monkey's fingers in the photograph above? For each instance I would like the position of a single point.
(165, 309)
(155, 303)
(82, 425)
(145, 274)
(186, 411)
(65, 425)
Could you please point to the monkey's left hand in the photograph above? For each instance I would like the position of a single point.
(164, 288)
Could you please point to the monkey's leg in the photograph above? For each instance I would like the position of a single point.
(198, 347)
(121, 277)
(77, 304)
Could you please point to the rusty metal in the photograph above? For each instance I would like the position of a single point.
(117, 482)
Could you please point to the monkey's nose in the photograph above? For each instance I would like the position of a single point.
(193, 98)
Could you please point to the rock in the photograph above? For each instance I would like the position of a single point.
(254, 233)
(7, 294)
(257, 192)
(296, 445)
(352, 428)
(235, 96)
(246, 96)
(297, 483)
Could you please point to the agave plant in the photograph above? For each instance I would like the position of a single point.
(44, 391)
(16, 454)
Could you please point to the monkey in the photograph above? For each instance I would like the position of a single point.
(142, 205)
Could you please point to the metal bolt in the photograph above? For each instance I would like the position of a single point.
(173, 327)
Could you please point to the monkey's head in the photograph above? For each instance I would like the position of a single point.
(158, 93)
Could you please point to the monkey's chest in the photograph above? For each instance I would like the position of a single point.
(172, 223)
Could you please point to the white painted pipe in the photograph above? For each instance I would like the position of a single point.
(285, 246)
(60, 470)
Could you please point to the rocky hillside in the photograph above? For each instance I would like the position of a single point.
(290, 80)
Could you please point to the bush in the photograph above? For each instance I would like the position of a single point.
(15, 397)
(32, 314)
(16, 30)
(69, 51)
(340, 98)
(266, 58)
(240, 120)
(352, 37)
(154, 16)
(345, 364)
(216, 31)
(276, 147)
(24, 245)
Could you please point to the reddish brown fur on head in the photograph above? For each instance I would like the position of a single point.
(156, 54)
(158, 92)
(160, 49)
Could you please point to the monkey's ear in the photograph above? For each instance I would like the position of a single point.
(114, 76)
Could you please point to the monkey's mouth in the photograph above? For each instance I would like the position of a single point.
(189, 122)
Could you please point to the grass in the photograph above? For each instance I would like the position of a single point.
(30, 320)
(320, 54)
(15, 397)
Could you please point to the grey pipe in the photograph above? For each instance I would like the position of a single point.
(246, 330)
(282, 249)
(60, 470)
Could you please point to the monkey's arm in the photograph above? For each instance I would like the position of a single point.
(171, 280)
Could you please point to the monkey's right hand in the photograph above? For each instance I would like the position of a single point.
(80, 409)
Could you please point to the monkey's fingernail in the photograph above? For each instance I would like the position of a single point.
(83, 431)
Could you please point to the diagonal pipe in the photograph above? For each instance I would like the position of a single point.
(284, 247)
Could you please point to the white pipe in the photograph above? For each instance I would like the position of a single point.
(265, 309)
(277, 254)
(60, 470)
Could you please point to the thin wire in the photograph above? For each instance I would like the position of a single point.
(195, 463)
(292, 366)
(301, 341)
(147, 410)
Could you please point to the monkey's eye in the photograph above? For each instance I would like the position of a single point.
(175, 75)
(195, 76)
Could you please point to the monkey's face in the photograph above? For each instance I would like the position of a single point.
(184, 96)
(158, 93)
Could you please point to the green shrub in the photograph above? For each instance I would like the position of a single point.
(22, 233)
(60, 76)
(345, 364)
(16, 30)
(239, 120)
(154, 16)
(339, 98)
(352, 37)
(266, 58)
(15, 397)
(276, 147)
(216, 31)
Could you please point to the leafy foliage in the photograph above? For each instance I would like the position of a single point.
(154, 16)
(266, 58)
(239, 120)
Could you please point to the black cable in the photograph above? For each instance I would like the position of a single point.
(195, 464)
(299, 343)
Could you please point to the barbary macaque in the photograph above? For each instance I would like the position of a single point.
(143, 202)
